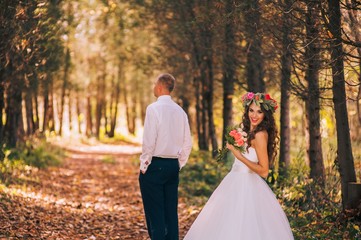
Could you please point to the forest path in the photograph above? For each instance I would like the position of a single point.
(94, 194)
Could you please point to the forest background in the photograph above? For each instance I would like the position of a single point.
(86, 69)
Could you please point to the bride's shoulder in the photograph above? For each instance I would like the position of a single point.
(261, 135)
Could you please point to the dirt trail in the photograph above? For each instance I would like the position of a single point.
(94, 194)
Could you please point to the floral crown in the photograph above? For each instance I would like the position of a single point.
(268, 103)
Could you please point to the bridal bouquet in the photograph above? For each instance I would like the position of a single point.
(236, 137)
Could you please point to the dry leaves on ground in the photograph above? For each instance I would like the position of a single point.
(93, 195)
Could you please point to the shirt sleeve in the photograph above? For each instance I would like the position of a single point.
(149, 139)
(187, 145)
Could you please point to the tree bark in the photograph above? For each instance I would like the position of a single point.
(114, 108)
(78, 113)
(13, 114)
(229, 68)
(344, 149)
(100, 103)
(312, 56)
(70, 115)
(89, 118)
(254, 65)
(64, 89)
(46, 104)
(30, 124)
(354, 24)
(286, 64)
(201, 127)
(51, 118)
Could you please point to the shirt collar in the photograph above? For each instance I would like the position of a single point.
(164, 98)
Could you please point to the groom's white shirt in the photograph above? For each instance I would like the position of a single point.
(166, 132)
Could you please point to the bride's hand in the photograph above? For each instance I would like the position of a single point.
(230, 146)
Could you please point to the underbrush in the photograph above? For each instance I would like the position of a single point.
(27, 157)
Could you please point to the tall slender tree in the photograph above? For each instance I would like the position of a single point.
(286, 65)
(344, 159)
(312, 56)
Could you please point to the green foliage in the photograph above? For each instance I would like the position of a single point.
(27, 156)
(109, 159)
(314, 213)
(201, 176)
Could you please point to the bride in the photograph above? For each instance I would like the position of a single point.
(243, 207)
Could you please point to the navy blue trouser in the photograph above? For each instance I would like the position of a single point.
(159, 188)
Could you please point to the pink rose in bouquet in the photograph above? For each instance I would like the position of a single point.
(236, 137)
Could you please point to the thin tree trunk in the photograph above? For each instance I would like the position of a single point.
(114, 109)
(29, 112)
(13, 109)
(36, 107)
(209, 97)
(204, 108)
(229, 68)
(354, 24)
(254, 65)
(78, 113)
(100, 104)
(202, 142)
(286, 63)
(89, 119)
(70, 111)
(64, 89)
(2, 106)
(51, 118)
(344, 149)
(313, 96)
(46, 104)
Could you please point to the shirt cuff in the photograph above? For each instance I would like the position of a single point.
(144, 166)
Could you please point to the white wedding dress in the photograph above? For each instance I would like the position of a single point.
(242, 207)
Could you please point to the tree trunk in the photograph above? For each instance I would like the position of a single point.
(13, 109)
(313, 96)
(201, 132)
(70, 111)
(2, 105)
(89, 119)
(36, 106)
(114, 108)
(46, 104)
(354, 24)
(51, 118)
(78, 113)
(229, 68)
(344, 149)
(64, 89)
(29, 112)
(254, 65)
(286, 64)
(100, 103)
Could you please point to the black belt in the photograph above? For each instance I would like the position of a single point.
(161, 158)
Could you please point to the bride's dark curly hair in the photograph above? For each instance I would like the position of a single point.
(267, 124)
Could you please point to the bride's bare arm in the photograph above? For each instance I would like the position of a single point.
(260, 145)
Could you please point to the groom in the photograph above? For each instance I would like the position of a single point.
(166, 147)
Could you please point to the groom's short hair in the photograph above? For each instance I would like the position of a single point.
(167, 80)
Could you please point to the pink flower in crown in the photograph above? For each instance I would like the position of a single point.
(250, 95)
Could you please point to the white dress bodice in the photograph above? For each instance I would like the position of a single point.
(239, 166)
